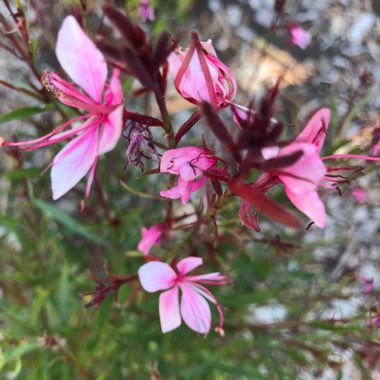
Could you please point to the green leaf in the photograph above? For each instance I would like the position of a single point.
(70, 223)
(21, 113)
(24, 173)
(23, 348)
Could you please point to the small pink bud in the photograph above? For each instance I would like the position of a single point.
(359, 194)
(146, 11)
(200, 76)
(299, 36)
(150, 237)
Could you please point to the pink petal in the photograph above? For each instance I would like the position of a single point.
(316, 129)
(209, 278)
(306, 173)
(73, 162)
(170, 317)
(193, 84)
(175, 160)
(114, 92)
(81, 59)
(111, 130)
(156, 275)
(188, 264)
(299, 36)
(150, 237)
(172, 193)
(195, 310)
(184, 190)
(175, 61)
(310, 204)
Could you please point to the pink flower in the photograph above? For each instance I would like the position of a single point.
(150, 237)
(302, 178)
(100, 131)
(200, 76)
(189, 163)
(194, 309)
(146, 11)
(359, 194)
(299, 36)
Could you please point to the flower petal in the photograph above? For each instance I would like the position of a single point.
(73, 162)
(156, 275)
(81, 59)
(188, 264)
(195, 310)
(306, 173)
(111, 130)
(114, 92)
(172, 193)
(150, 237)
(316, 129)
(174, 160)
(170, 317)
(310, 204)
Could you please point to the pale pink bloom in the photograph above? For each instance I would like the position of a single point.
(299, 36)
(194, 309)
(359, 194)
(189, 163)
(99, 133)
(150, 237)
(146, 11)
(200, 76)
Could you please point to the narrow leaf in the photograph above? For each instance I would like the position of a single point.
(20, 113)
(70, 223)
(263, 204)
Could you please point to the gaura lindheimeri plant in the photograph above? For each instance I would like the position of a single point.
(100, 131)
(189, 163)
(200, 76)
(150, 237)
(194, 309)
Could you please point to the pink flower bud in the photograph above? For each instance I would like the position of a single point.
(200, 76)
(299, 36)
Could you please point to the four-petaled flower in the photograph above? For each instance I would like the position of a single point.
(194, 309)
(200, 76)
(86, 66)
(189, 162)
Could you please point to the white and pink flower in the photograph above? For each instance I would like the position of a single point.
(193, 308)
(98, 134)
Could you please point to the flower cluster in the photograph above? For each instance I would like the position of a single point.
(206, 82)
